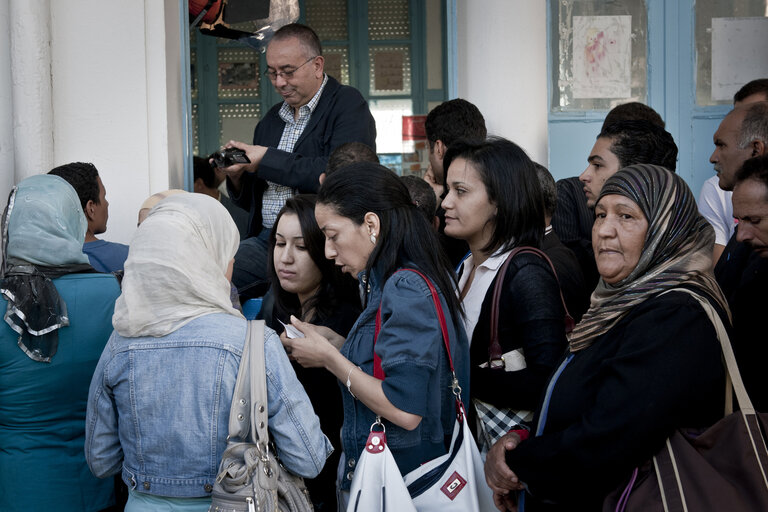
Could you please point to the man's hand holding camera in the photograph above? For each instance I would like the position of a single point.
(235, 170)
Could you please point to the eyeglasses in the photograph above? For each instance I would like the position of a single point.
(287, 74)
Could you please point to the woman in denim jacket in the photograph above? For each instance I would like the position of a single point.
(158, 407)
(374, 232)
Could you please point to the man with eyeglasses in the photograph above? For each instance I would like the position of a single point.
(291, 143)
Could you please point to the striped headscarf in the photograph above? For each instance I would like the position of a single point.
(677, 250)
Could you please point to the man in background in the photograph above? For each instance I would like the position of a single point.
(84, 177)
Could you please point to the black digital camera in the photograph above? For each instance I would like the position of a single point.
(229, 156)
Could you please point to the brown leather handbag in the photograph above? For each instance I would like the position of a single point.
(725, 467)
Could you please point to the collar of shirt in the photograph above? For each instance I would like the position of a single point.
(548, 230)
(484, 276)
(287, 113)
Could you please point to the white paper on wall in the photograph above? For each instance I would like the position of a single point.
(739, 54)
(602, 56)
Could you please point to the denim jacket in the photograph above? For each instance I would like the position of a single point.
(417, 373)
(158, 408)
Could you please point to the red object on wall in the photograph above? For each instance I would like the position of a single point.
(413, 127)
(197, 6)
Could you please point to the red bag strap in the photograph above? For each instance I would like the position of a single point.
(494, 348)
(378, 372)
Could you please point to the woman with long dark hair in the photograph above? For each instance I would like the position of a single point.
(495, 204)
(309, 286)
(375, 233)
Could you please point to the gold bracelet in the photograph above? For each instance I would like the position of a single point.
(349, 382)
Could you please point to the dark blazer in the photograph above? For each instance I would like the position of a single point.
(575, 291)
(657, 369)
(531, 317)
(341, 116)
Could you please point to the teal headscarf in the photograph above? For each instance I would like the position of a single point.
(43, 230)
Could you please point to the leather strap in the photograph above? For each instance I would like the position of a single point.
(494, 348)
(378, 372)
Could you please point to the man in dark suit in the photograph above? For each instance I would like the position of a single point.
(291, 143)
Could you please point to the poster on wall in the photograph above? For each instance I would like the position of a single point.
(602, 56)
(738, 54)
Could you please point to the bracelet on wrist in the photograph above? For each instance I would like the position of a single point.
(349, 382)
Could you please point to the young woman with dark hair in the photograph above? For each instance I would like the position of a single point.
(374, 232)
(494, 203)
(308, 286)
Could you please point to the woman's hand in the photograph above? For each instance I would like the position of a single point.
(498, 476)
(336, 339)
(312, 350)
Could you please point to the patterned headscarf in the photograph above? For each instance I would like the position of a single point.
(43, 229)
(677, 250)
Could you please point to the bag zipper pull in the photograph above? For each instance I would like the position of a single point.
(251, 507)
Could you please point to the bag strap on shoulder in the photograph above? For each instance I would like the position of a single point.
(378, 372)
(733, 374)
(494, 347)
(248, 414)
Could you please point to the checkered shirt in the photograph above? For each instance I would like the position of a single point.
(275, 195)
(494, 422)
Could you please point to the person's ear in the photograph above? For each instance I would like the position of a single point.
(440, 149)
(90, 210)
(372, 223)
(758, 148)
(197, 186)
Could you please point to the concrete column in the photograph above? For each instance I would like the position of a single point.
(30, 34)
(7, 173)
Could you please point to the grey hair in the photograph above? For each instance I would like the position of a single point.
(755, 124)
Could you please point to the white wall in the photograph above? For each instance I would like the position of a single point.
(502, 68)
(111, 97)
(96, 81)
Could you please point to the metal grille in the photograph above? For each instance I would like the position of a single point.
(238, 73)
(337, 63)
(388, 19)
(390, 70)
(328, 18)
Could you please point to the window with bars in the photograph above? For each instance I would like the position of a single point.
(392, 51)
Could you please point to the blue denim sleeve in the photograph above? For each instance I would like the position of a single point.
(102, 444)
(410, 341)
(293, 424)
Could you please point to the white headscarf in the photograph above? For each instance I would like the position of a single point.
(176, 266)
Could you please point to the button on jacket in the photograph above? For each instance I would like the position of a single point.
(158, 408)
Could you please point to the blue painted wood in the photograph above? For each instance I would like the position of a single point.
(671, 92)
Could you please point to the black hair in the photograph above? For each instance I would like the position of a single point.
(306, 36)
(203, 170)
(548, 188)
(511, 184)
(406, 238)
(84, 178)
(453, 120)
(757, 86)
(641, 142)
(633, 111)
(754, 169)
(349, 153)
(335, 287)
(422, 195)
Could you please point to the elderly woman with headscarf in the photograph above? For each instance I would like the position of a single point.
(57, 313)
(158, 408)
(644, 360)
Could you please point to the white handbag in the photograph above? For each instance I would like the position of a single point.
(454, 481)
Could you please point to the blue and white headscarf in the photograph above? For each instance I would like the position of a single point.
(43, 230)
